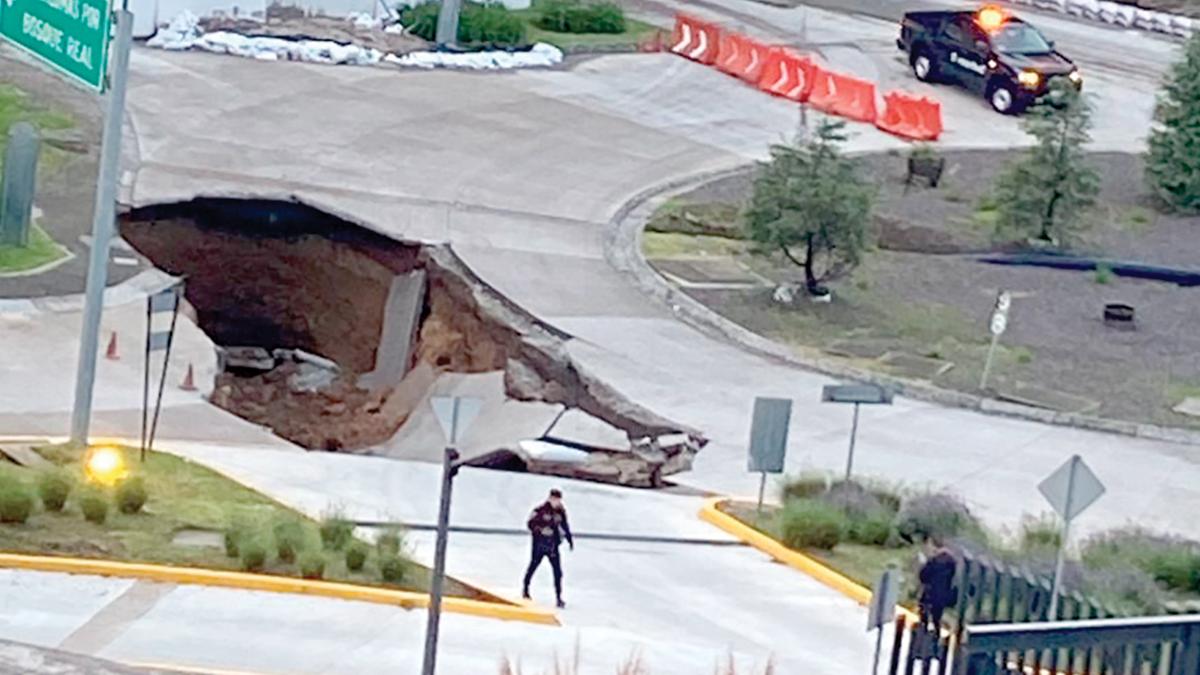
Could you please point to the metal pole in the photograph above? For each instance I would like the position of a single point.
(987, 365)
(439, 562)
(146, 378)
(102, 230)
(162, 380)
(447, 25)
(853, 433)
(1062, 545)
(762, 488)
(878, 649)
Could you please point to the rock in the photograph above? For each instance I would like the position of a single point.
(249, 358)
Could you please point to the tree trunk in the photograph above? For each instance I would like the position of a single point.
(1048, 219)
(810, 279)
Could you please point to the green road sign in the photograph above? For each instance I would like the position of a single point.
(70, 35)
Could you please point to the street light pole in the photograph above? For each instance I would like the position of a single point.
(853, 435)
(449, 468)
(447, 25)
(103, 217)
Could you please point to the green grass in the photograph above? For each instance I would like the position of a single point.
(16, 106)
(673, 245)
(636, 32)
(41, 250)
(182, 495)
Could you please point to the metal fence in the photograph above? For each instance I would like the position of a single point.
(1139, 646)
(993, 592)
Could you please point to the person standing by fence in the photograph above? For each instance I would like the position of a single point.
(937, 583)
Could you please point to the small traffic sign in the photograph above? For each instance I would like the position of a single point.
(70, 35)
(455, 415)
(1071, 488)
(1003, 301)
(769, 434)
(999, 323)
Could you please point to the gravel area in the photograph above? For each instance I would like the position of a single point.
(938, 305)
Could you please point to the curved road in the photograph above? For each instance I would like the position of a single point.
(523, 172)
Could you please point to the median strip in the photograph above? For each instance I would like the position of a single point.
(711, 513)
(274, 584)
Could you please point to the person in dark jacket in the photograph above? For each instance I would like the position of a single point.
(548, 525)
(937, 583)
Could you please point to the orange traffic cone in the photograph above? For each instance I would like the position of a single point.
(111, 352)
(189, 380)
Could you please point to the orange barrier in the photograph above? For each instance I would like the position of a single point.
(742, 57)
(843, 95)
(908, 116)
(695, 39)
(787, 74)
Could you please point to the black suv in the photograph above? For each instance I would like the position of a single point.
(989, 52)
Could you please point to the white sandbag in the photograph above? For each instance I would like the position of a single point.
(179, 35)
(541, 55)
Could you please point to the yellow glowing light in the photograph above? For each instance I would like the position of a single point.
(1075, 76)
(990, 18)
(1029, 78)
(105, 465)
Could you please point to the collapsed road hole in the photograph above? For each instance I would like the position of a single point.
(335, 337)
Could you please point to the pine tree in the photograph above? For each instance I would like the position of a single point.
(1173, 165)
(809, 196)
(1047, 192)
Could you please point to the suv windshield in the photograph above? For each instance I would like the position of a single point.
(1019, 38)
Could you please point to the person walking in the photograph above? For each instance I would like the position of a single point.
(937, 583)
(548, 525)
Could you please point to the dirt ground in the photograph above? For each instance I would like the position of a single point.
(937, 306)
(66, 191)
(290, 22)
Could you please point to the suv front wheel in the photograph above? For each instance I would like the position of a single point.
(1002, 99)
(923, 66)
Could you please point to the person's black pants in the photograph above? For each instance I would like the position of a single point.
(550, 552)
(931, 616)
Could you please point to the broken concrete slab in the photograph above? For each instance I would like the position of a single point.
(502, 423)
(402, 319)
(577, 427)
(914, 366)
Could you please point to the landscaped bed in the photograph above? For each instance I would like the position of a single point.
(860, 529)
(172, 511)
(921, 292)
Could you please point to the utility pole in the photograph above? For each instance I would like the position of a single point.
(447, 25)
(103, 219)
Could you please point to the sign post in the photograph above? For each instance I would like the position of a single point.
(455, 415)
(997, 326)
(883, 607)
(768, 440)
(858, 394)
(1070, 490)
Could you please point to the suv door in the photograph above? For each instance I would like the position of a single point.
(968, 51)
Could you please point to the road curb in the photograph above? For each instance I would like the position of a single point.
(273, 584)
(711, 513)
(623, 250)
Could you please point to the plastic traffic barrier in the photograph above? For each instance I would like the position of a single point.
(843, 95)
(787, 74)
(915, 117)
(695, 39)
(741, 56)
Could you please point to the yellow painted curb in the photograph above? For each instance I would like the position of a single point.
(711, 513)
(274, 584)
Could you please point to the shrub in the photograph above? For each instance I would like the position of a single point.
(390, 541)
(16, 501)
(1125, 590)
(54, 486)
(393, 569)
(239, 528)
(808, 523)
(938, 514)
(94, 504)
(1178, 568)
(1104, 273)
(291, 538)
(478, 24)
(1040, 533)
(356, 556)
(131, 495)
(870, 529)
(570, 16)
(252, 552)
(859, 500)
(312, 565)
(807, 486)
(336, 531)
